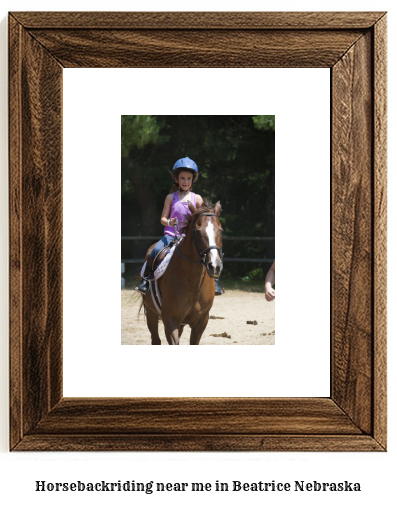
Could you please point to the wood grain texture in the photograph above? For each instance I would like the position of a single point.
(36, 187)
(200, 20)
(173, 416)
(199, 443)
(351, 256)
(380, 230)
(196, 48)
(354, 46)
(15, 211)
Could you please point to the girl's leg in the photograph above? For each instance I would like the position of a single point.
(143, 287)
(218, 289)
(164, 241)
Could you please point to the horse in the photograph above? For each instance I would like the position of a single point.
(187, 287)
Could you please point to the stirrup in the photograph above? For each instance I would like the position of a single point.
(143, 287)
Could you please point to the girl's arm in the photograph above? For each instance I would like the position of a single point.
(199, 201)
(165, 215)
(270, 293)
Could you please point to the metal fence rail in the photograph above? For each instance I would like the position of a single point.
(230, 238)
(234, 238)
(141, 261)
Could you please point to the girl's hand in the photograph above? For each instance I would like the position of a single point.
(172, 222)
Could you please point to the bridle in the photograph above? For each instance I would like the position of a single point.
(201, 253)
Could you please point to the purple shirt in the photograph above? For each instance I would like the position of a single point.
(179, 210)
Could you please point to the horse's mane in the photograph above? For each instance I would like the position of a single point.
(207, 207)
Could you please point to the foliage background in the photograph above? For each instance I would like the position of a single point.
(236, 161)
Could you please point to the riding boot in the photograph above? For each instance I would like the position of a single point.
(218, 289)
(144, 286)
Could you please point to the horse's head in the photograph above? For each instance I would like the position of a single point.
(207, 236)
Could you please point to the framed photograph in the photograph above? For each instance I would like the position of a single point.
(235, 166)
(353, 46)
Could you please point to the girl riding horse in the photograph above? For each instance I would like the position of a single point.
(176, 209)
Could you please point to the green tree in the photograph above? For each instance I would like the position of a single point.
(235, 156)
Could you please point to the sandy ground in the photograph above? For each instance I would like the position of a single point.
(235, 307)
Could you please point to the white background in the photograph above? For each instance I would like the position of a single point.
(91, 211)
(375, 471)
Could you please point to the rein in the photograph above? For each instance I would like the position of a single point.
(204, 252)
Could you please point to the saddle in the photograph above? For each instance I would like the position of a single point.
(160, 264)
(161, 255)
(162, 260)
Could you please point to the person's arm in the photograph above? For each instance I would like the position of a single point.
(199, 201)
(165, 215)
(270, 293)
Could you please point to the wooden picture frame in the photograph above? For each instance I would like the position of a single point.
(353, 46)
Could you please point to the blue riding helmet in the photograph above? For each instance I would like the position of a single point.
(187, 163)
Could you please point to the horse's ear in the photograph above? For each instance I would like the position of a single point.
(218, 208)
(191, 207)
